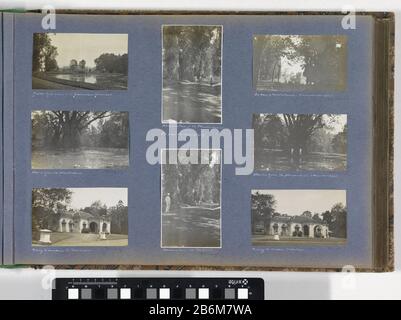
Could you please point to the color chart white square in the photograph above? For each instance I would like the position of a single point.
(125, 293)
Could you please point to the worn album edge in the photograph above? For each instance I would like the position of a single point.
(8, 144)
(383, 140)
(1, 140)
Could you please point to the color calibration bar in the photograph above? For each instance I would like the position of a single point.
(158, 289)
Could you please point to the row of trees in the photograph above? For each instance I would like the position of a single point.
(75, 129)
(112, 63)
(264, 209)
(192, 53)
(311, 132)
(192, 183)
(48, 204)
(321, 58)
(45, 54)
(117, 213)
(105, 63)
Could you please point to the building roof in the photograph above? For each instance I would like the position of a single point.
(283, 219)
(296, 219)
(78, 214)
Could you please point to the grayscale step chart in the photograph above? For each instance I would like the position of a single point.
(158, 289)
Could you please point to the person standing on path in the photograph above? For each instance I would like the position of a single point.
(167, 201)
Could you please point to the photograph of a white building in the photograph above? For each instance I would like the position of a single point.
(80, 217)
(298, 216)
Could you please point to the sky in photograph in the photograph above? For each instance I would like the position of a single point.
(337, 125)
(87, 46)
(295, 202)
(84, 197)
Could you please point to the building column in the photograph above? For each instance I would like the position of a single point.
(311, 231)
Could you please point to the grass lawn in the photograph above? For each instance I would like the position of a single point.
(265, 240)
(191, 227)
(63, 239)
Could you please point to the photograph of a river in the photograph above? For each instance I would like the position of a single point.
(99, 158)
(80, 140)
(80, 61)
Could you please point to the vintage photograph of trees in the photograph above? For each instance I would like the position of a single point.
(191, 204)
(80, 140)
(300, 142)
(298, 216)
(80, 216)
(192, 62)
(67, 61)
(299, 62)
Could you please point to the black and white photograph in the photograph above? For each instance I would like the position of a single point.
(190, 199)
(192, 74)
(300, 142)
(299, 62)
(80, 217)
(298, 217)
(80, 139)
(88, 61)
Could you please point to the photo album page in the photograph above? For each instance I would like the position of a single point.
(197, 140)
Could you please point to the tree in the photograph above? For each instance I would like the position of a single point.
(328, 218)
(97, 208)
(268, 52)
(111, 63)
(269, 130)
(46, 205)
(50, 197)
(192, 183)
(317, 218)
(339, 225)
(307, 214)
(44, 53)
(114, 131)
(191, 53)
(300, 128)
(320, 141)
(73, 65)
(119, 218)
(323, 60)
(82, 65)
(263, 209)
(66, 127)
(336, 219)
(339, 142)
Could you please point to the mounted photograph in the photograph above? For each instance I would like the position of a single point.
(299, 62)
(85, 61)
(309, 217)
(80, 217)
(80, 139)
(300, 142)
(192, 73)
(191, 199)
